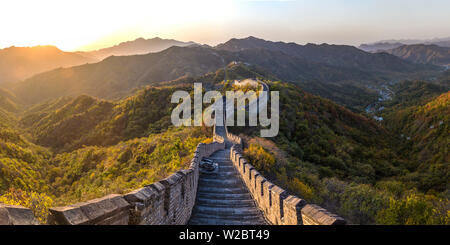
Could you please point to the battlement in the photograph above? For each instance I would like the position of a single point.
(278, 206)
(171, 200)
(166, 202)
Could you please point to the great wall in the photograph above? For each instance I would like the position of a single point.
(236, 194)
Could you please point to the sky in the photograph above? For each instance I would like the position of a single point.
(93, 24)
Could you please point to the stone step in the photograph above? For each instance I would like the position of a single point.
(226, 168)
(240, 212)
(220, 176)
(219, 190)
(251, 218)
(225, 196)
(219, 185)
(220, 158)
(222, 221)
(222, 198)
(220, 182)
(225, 203)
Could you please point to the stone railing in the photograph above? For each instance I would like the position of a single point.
(16, 215)
(166, 202)
(278, 206)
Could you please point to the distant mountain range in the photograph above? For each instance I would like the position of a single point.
(58, 140)
(421, 53)
(116, 76)
(379, 47)
(18, 63)
(138, 46)
(394, 43)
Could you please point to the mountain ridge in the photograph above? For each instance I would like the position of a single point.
(137, 46)
(18, 63)
(115, 76)
(423, 53)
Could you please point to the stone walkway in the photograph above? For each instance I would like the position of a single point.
(223, 199)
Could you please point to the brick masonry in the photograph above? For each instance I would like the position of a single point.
(171, 201)
(278, 206)
(166, 202)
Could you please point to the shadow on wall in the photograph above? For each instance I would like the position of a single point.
(278, 206)
(166, 202)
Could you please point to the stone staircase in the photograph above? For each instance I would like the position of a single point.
(223, 199)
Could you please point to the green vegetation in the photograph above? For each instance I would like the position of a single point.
(349, 164)
(96, 171)
(22, 164)
(89, 121)
(386, 202)
(72, 149)
(424, 130)
(95, 147)
(39, 203)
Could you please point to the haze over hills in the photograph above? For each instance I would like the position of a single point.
(77, 148)
(334, 55)
(379, 47)
(395, 43)
(422, 53)
(137, 46)
(18, 63)
(116, 76)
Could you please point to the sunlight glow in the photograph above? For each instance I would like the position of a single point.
(86, 24)
(89, 24)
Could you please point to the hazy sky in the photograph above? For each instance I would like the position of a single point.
(92, 24)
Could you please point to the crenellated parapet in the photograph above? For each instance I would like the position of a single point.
(16, 215)
(278, 206)
(166, 202)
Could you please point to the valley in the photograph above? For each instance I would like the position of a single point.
(81, 132)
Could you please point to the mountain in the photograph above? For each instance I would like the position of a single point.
(380, 46)
(8, 108)
(334, 55)
(117, 76)
(413, 93)
(344, 74)
(421, 53)
(349, 163)
(424, 128)
(86, 147)
(395, 43)
(67, 124)
(8, 101)
(138, 46)
(18, 63)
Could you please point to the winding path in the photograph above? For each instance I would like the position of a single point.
(222, 198)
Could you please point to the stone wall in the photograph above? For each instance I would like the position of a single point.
(278, 206)
(16, 215)
(166, 202)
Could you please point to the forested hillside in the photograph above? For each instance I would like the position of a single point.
(350, 164)
(347, 70)
(137, 46)
(18, 63)
(424, 128)
(86, 148)
(89, 121)
(72, 147)
(421, 53)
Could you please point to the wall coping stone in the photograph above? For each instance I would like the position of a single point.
(16, 215)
